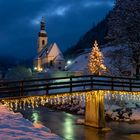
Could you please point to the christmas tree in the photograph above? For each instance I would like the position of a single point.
(96, 62)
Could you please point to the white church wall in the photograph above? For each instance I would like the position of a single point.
(54, 51)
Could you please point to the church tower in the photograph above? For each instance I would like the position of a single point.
(48, 56)
(42, 36)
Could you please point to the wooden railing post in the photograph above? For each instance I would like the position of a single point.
(70, 84)
(123, 86)
(47, 88)
(21, 88)
(130, 84)
(112, 84)
(91, 81)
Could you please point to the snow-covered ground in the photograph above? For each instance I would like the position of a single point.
(119, 110)
(14, 127)
(80, 63)
(118, 113)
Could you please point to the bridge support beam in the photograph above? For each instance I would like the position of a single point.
(94, 115)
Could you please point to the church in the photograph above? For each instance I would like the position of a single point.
(48, 56)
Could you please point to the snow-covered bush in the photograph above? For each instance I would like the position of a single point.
(18, 73)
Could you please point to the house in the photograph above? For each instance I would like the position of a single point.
(49, 56)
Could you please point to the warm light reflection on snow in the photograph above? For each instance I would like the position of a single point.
(14, 126)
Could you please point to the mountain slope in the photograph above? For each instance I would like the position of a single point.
(97, 32)
(124, 22)
(120, 27)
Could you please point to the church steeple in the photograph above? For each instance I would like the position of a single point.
(42, 25)
(42, 36)
(42, 32)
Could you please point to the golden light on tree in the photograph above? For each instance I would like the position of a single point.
(96, 61)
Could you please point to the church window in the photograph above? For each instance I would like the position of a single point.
(51, 63)
(43, 42)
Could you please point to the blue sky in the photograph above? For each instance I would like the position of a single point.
(66, 21)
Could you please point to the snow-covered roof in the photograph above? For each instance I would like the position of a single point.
(44, 50)
(80, 63)
(54, 50)
(50, 50)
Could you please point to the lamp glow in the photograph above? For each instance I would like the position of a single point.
(68, 62)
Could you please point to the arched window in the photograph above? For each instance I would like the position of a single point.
(43, 42)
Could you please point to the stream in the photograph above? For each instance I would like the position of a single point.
(64, 125)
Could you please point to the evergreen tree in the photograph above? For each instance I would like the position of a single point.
(96, 62)
(124, 22)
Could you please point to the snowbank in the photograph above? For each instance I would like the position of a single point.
(14, 126)
(80, 121)
(135, 114)
(126, 111)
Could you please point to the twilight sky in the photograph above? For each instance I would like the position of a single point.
(66, 21)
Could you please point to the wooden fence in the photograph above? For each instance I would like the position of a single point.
(66, 85)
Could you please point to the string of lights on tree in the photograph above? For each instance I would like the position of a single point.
(96, 61)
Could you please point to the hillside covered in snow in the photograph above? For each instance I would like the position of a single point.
(117, 60)
(120, 29)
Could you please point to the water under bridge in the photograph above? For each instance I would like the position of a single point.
(91, 88)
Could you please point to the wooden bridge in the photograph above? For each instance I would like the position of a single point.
(94, 87)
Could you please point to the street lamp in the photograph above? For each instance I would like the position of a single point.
(68, 62)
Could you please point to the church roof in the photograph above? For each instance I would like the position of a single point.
(47, 49)
(59, 58)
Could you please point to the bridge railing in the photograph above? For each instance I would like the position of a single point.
(67, 84)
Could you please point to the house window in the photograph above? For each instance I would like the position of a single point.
(59, 68)
(43, 42)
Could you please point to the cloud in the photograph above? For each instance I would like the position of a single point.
(106, 3)
(65, 20)
(60, 11)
